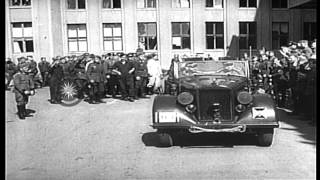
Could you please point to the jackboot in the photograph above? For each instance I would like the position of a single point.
(25, 113)
(20, 112)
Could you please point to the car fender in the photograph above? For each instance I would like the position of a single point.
(270, 112)
(168, 103)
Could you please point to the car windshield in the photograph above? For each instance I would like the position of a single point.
(222, 67)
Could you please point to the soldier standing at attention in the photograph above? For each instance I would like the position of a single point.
(125, 70)
(81, 78)
(44, 68)
(141, 76)
(23, 88)
(96, 77)
(55, 81)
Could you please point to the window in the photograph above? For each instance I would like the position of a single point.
(147, 35)
(20, 2)
(248, 35)
(112, 37)
(77, 37)
(214, 35)
(280, 35)
(22, 37)
(181, 3)
(214, 3)
(111, 4)
(248, 3)
(146, 4)
(309, 31)
(76, 4)
(181, 35)
(279, 3)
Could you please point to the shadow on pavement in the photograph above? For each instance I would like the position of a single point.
(300, 125)
(203, 140)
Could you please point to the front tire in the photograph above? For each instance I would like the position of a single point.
(265, 137)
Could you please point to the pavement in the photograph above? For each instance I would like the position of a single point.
(115, 141)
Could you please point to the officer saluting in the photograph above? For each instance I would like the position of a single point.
(56, 78)
(23, 88)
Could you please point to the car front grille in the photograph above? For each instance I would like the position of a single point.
(208, 97)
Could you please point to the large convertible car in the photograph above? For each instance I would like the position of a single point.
(212, 97)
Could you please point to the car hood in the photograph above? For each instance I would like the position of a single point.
(212, 81)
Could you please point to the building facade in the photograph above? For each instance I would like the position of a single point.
(47, 28)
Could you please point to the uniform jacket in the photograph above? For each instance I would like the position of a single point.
(22, 82)
(80, 70)
(56, 73)
(44, 66)
(96, 72)
(141, 68)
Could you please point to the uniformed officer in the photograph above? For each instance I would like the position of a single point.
(55, 81)
(81, 77)
(125, 70)
(155, 72)
(141, 76)
(44, 70)
(34, 71)
(96, 78)
(23, 88)
(113, 85)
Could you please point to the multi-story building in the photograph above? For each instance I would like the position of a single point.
(47, 28)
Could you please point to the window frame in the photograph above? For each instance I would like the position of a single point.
(112, 4)
(20, 4)
(22, 38)
(279, 36)
(77, 6)
(214, 34)
(148, 36)
(77, 38)
(145, 3)
(105, 38)
(214, 5)
(172, 5)
(181, 35)
(247, 6)
(248, 35)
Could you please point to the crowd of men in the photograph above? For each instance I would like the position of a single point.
(92, 77)
(289, 77)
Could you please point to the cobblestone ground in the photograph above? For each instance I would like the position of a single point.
(110, 141)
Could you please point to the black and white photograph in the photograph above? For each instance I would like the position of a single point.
(160, 89)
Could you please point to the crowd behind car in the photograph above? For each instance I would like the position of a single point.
(289, 77)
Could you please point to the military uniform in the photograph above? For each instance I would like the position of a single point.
(96, 77)
(126, 79)
(81, 79)
(113, 78)
(141, 76)
(23, 88)
(44, 68)
(55, 82)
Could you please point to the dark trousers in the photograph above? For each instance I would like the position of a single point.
(113, 85)
(55, 87)
(96, 90)
(81, 87)
(44, 78)
(140, 86)
(127, 86)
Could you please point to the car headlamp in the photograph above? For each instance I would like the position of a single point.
(240, 108)
(185, 98)
(244, 97)
(191, 108)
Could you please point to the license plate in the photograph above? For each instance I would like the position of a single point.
(167, 117)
